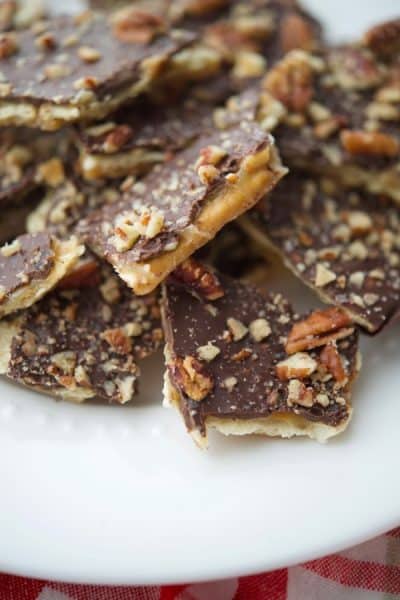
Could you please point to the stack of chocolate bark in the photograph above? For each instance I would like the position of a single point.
(131, 140)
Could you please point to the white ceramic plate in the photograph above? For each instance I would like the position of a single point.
(121, 495)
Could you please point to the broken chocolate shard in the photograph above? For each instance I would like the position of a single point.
(341, 242)
(229, 365)
(84, 339)
(80, 70)
(30, 266)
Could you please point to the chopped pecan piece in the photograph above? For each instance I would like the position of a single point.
(117, 138)
(190, 376)
(46, 41)
(384, 39)
(295, 32)
(242, 355)
(320, 328)
(88, 54)
(291, 82)
(297, 366)
(298, 393)
(200, 279)
(370, 143)
(118, 340)
(331, 360)
(135, 26)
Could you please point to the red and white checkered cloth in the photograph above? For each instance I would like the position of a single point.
(370, 571)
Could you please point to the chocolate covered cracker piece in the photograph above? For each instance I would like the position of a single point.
(338, 113)
(31, 266)
(75, 68)
(183, 203)
(84, 339)
(65, 205)
(343, 243)
(245, 363)
(140, 136)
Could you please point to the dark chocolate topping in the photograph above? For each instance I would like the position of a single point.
(38, 74)
(174, 191)
(89, 337)
(29, 257)
(354, 235)
(243, 373)
(149, 126)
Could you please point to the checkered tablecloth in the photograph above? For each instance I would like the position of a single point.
(370, 571)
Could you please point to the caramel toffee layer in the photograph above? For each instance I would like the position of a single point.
(227, 353)
(85, 338)
(341, 242)
(74, 67)
(156, 210)
(338, 112)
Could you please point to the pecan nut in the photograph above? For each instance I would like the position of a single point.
(291, 82)
(199, 278)
(117, 138)
(298, 366)
(135, 26)
(368, 143)
(118, 340)
(191, 377)
(332, 361)
(318, 329)
(384, 39)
